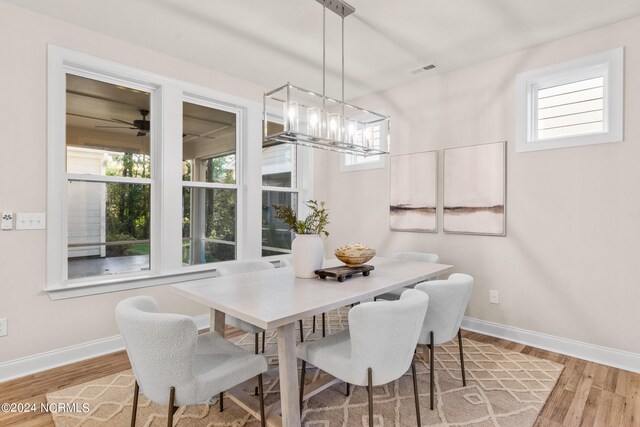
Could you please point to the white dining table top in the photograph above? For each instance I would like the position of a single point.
(273, 298)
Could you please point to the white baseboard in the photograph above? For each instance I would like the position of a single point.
(593, 353)
(52, 359)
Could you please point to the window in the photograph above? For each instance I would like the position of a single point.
(574, 103)
(209, 188)
(154, 181)
(375, 136)
(108, 173)
(279, 187)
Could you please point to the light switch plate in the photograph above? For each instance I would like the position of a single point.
(3, 327)
(494, 297)
(30, 221)
(7, 221)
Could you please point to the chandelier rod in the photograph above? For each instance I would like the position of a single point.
(343, 66)
(324, 53)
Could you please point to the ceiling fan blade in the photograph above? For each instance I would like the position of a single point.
(115, 127)
(122, 121)
(196, 136)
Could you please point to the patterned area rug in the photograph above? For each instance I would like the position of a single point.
(504, 388)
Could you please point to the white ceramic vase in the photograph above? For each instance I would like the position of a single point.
(307, 253)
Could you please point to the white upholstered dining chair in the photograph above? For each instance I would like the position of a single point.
(377, 348)
(174, 365)
(408, 256)
(448, 301)
(245, 267)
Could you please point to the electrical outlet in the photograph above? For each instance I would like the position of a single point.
(7, 221)
(494, 297)
(30, 221)
(3, 328)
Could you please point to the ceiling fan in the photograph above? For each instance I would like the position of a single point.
(142, 126)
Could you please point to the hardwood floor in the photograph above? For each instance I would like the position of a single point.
(587, 394)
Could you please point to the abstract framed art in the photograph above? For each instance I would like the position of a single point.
(413, 195)
(474, 189)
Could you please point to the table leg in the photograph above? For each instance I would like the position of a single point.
(288, 365)
(216, 321)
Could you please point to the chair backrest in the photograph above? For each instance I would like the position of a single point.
(448, 300)
(243, 267)
(161, 347)
(384, 335)
(285, 262)
(416, 256)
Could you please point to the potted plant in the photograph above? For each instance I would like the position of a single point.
(307, 249)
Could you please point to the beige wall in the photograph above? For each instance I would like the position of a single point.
(569, 265)
(37, 324)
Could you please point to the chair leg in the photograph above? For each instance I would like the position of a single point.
(264, 340)
(324, 325)
(302, 372)
(370, 391)
(348, 389)
(172, 409)
(134, 409)
(263, 421)
(313, 328)
(432, 351)
(464, 379)
(255, 390)
(255, 348)
(415, 390)
(301, 332)
(221, 399)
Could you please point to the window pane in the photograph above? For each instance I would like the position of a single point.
(108, 228)
(208, 144)
(276, 237)
(279, 166)
(208, 225)
(574, 108)
(106, 127)
(279, 163)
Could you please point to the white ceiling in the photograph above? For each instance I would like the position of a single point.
(270, 42)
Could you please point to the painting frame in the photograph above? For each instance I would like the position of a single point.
(395, 209)
(502, 193)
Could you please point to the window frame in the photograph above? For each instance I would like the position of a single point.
(166, 175)
(106, 179)
(239, 179)
(608, 64)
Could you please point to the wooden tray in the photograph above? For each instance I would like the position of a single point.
(342, 273)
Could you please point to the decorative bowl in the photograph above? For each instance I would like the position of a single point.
(355, 254)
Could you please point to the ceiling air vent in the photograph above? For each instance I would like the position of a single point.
(424, 68)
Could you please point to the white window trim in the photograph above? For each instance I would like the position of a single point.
(166, 178)
(609, 64)
(378, 164)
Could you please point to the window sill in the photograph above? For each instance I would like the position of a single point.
(570, 141)
(125, 284)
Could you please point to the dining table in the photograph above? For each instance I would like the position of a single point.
(276, 299)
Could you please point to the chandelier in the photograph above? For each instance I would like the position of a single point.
(316, 120)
